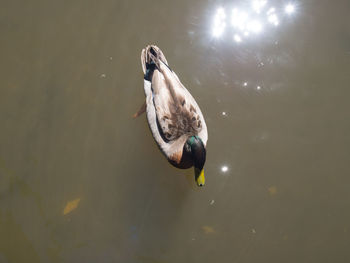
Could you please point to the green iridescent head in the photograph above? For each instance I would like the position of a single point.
(198, 152)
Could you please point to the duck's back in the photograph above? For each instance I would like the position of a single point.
(177, 113)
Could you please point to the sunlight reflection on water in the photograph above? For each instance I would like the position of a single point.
(247, 20)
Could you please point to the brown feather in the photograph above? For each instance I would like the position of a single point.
(176, 157)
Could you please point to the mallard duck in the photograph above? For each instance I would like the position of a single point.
(174, 117)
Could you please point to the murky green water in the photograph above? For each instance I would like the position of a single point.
(277, 108)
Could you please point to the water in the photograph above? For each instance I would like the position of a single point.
(277, 159)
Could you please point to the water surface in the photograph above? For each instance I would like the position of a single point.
(277, 108)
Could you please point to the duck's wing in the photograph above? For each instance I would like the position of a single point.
(185, 114)
(172, 149)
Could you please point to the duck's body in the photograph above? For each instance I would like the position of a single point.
(174, 117)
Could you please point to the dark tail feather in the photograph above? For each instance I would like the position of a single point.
(150, 60)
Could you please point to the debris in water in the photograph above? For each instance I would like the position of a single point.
(272, 190)
(208, 229)
(71, 205)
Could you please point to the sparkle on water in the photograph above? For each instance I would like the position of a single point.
(255, 26)
(237, 38)
(224, 168)
(258, 5)
(219, 23)
(270, 11)
(273, 19)
(289, 9)
(245, 21)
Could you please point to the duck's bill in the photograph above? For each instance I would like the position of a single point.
(199, 176)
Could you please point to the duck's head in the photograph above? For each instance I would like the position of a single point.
(196, 147)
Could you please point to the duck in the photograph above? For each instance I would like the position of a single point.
(174, 117)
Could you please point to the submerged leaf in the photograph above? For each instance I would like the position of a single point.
(71, 205)
(272, 190)
(208, 229)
